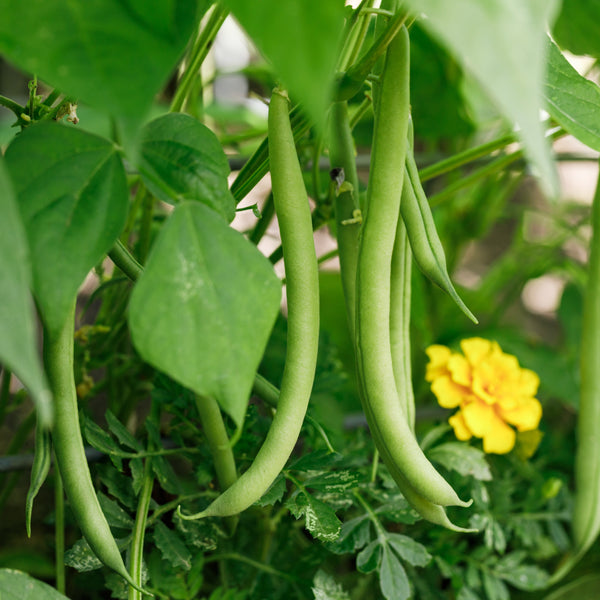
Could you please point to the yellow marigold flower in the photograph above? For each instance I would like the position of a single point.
(492, 392)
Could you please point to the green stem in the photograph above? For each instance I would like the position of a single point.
(4, 392)
(139, 530)
(253, 563)
(197, 55)
(123, 259)
(218, 440)
(267, 212)
(12, 105)
(143, 245)
(371, 513)
(59, 532)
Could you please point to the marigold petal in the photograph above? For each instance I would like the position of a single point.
(500, 438)
(460, 370)
(438, 361)
(529, 383)
(479, 417)
(525, 416)
(448, 393)
(475, 349)
(461, 431)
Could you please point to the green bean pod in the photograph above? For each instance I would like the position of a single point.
(385, 414)
(300, 261)
(586, 510)
(422, 234)
(69, 450)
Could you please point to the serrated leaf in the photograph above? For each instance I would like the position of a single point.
(392, 577)
(121, 432)
(223, 296)
(274, 494)
(136, 465)
(203, 534)
(495, 588)
(101, 51)
(81, 557)
(490, 39)
(73, 198)
(463, 459)
(181, 159)
(354, 535)
(172, 547)
(16, 585)
(319, 518)
(118, 485)
(572, 100)
(325, 587)
(300, 38)
(114, 514)
(369, 558)
(18, 349)
(98, 438)
(525, 577)
(333, 482)
(411, 551)
(319, 460)
(466, 593)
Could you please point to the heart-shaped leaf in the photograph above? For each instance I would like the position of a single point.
(17, 316)
(181, 159)
(73, 197)
(204, 307)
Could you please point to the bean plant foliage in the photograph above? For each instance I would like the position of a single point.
(265, 413)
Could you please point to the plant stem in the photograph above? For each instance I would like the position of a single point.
(249, 561)
(59, 531)
(123, 259)
(267, 212)
(197, 55)
(139, 530)
(12, 105)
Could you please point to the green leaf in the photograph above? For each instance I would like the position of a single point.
(172, 547)
(392, 577)
(15, 585)
(467, 593)
(223, 298)
(301, 39)
(42, 459)
(369, 558)
(319, 518)
(490, 39)
(354, 535)
(114, 514)
(121, 432)
(572, 100)
(81, 557)
(577, 27)
(325, 587)
(114, 55)
(333, 482)
(274, 494)
(181, 159)
(495, 588)
(17, 321)
(412, 552)
(523, 577)
(73, 197)
(463, 459)
(98, 438)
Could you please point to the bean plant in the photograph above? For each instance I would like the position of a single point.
(284, 353)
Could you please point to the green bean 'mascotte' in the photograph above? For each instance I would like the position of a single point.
(69, 450)
(586, 508)
(386, 416)
(302, 291)
(422, 234)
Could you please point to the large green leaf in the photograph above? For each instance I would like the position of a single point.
(181, 159)
(572, 100)
(502, 43)
(17, 316)
(113, 54)
(300, 38)
(16, 585)
(577, 27)
(73, 197)
(203, 309)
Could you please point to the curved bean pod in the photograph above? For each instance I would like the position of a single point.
(293, 213)
(422, 234)
(69, 450)
(385, 414)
